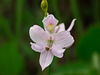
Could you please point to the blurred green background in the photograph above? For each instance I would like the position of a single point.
(16, 55)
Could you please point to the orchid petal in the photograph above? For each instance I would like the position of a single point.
(46, 58)
(71, 25)
(50, 19)
(57, 51)
(37, 34)
(63, 39)
(39, 47)
(60, 28)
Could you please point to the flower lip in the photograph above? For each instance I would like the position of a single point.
(50, 27)
(50, 23)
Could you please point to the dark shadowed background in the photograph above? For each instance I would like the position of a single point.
(16, 55)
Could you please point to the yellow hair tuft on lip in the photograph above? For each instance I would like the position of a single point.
(50, 27)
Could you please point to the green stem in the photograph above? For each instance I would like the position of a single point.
(49, 70)
(18, 17)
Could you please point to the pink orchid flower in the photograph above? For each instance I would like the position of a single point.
(52, 41)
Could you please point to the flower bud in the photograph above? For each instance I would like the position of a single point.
(44, 6)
